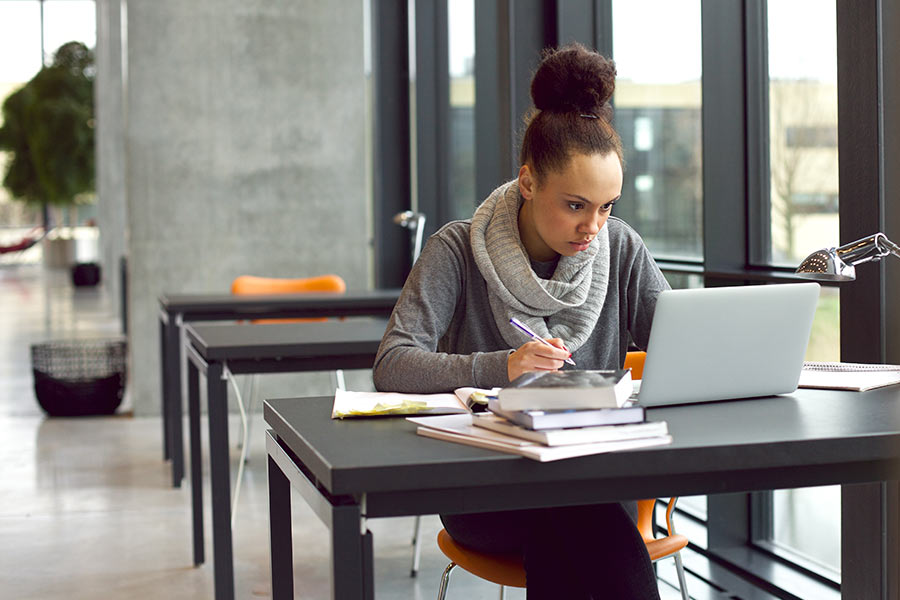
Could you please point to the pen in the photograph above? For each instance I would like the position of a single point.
(524, 328)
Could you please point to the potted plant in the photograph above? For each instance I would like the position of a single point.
(48, 129)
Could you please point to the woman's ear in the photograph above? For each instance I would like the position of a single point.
(526, 182)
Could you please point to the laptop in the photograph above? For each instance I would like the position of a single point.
(729, 342)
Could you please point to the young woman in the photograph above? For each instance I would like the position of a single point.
(544, 249)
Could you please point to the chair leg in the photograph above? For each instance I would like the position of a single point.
(246, 384)
(339, 379)
(502, 592)
(682, 582)
(445, 580)
(240, 473)
(251, 403)
(417, 546)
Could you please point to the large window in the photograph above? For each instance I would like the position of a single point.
(657, 114)
(728, 115)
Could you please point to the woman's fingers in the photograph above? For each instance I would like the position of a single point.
(535, 356)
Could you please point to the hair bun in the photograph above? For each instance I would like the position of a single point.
(574, 79)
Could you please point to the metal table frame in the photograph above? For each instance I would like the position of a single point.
(176, 310)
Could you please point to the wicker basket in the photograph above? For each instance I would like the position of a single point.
(77, 378)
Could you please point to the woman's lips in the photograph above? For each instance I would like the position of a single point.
(581, 245)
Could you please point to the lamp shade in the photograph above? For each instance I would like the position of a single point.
(826, 265)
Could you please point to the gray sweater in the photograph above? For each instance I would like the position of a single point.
(442, 335)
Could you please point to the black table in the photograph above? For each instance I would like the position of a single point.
(352, 470)
(177, 309)
(254, 348)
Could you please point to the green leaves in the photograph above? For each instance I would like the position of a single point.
(48, 129)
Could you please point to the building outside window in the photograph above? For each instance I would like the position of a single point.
(658, 115)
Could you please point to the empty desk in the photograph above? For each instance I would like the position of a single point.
(177, 309)
(254, 348)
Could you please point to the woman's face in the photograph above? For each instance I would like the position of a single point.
(564, 213)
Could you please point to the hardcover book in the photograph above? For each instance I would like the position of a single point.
(573, 435)
(569, 417)
(554, 390)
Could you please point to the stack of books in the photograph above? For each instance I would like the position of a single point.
(551, 416)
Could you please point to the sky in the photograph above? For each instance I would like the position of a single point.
(656, 41)
(659, 41)
(20, 33)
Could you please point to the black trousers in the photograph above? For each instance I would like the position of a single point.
(577, 552)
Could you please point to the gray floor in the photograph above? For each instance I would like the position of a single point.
(86, 509)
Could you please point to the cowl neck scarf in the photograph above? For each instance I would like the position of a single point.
(565, 306)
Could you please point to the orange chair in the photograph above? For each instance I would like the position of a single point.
(247, 285)
(635, 362)
(509, 570)
(250, 284)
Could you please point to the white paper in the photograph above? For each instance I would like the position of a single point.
(351, 404)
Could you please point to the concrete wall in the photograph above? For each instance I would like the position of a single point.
(244, 150)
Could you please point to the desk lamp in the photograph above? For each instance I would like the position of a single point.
(837, 264)
(415, 222)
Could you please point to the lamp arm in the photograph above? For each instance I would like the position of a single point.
(869, 248)
(887, 245)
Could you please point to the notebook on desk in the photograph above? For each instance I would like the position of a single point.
(730, 342)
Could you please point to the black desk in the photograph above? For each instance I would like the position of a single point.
(352, 470)
(259, 348)
(177, 309)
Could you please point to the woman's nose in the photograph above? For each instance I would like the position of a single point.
(592, 225)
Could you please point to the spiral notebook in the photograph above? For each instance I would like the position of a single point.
(857, 377)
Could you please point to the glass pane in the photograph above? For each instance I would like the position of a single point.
(803, 151)
(825, 337)
(657, 114)
(68, 21)
(807, 522)
(461, 23)
(803, 158)
(20, 47)
(20, 43)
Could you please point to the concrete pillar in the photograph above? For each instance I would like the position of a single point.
(109, 85)
(244, 150)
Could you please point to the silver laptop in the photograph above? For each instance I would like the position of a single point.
(730, 342)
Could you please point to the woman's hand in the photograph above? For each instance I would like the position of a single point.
(535, 356)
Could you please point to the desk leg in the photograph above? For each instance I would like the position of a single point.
(351, 556)
(196, 465)
(175, 406)
(164, 386)
(280, 538)
(217, 411)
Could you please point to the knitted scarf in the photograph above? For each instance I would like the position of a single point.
(566, 306)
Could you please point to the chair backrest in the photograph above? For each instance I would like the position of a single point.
(645, 518)
(635, 362)
(250, 284)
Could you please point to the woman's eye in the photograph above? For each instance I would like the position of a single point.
(607, 207)
(576, 206)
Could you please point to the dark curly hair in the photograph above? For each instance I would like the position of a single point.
(571, 91)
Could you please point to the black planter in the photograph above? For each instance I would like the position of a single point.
(77, 378)
(85, 274)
